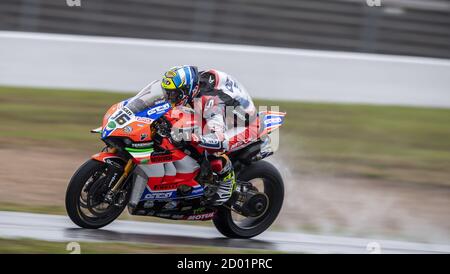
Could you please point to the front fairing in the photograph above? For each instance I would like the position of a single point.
(132, 118)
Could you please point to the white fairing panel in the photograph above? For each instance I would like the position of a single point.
(143, 172)
(186, 165)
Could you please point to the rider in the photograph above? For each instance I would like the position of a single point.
(227, 112)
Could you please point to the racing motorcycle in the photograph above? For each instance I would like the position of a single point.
(144, 168)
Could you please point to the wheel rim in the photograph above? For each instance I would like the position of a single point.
(262, 185)
(91, 206)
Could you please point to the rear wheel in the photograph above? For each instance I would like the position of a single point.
(266, 179)
(85, 197)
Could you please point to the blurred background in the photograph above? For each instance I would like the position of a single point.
(365, 150)
(406, 27)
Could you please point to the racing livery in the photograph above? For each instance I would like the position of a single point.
(143, 168)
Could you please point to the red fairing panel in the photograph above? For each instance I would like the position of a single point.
(102, 156)
(171, 182)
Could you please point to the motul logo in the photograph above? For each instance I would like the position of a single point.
(201, 216)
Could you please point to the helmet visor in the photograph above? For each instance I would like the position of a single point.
(174, 96)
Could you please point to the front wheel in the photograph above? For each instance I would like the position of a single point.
(85, 197)
(265, 178)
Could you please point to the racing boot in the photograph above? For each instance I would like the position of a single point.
(226, 181)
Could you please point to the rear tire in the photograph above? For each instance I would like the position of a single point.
(73, 194)
(273, 187)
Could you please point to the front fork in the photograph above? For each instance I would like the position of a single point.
(126, 171)
(106, 157)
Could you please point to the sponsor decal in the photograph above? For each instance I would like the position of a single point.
(160, 101)
(186, 208)
(163, 195)
(199, 210)
(149, 204)
(144, 136)
(199, 217)
(111, 125)
(178, 216)
(171, 205)
(127, 111)
(165, 186)
(161, 158)
(229, 84)
(240, 143)
(127, 129)
(144, 120)
(142, 145)
(272, 120)
(113, 178)
(158, 109)
(209, 104)
(210, 142)
(197, 190)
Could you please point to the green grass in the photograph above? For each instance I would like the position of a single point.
(52, 117)
(33, 208)
(402, 144)
(29, 246)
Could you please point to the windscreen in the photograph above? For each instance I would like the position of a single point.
(149, 96)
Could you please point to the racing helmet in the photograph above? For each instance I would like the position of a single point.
(180, 84)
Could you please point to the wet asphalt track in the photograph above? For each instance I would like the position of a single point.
(61, 229)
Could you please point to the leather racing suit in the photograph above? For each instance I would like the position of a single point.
(228, 121)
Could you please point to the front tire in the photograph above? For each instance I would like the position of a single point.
(273, 188)
(77, 207)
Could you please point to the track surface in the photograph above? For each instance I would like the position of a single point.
(61, 229)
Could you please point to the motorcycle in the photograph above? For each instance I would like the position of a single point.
(145, 169)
